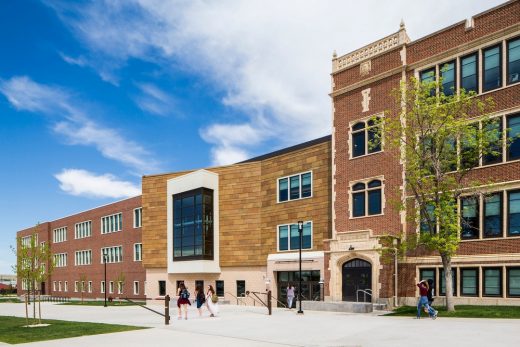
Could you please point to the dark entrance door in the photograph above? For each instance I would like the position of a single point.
(357, 274)
(310, 285)
(42, 286)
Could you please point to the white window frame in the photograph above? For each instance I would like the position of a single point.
(102, 287)
(140, 251)
(289, 187)
(59, 235)
(60, 259)
(53, 286)
(65, 286)
(114, 254)
(112, 223)
(289, 236)
(111, 287)
(136, 286)
(140, 209)
(119, 287)
(89, 286)
(366, 190)
(76, 286)
(365, 120)
(59, 286)
(83, 229)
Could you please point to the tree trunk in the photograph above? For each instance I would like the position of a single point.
(34, 298)
(40, 307)
(26, 307)
(446, 264)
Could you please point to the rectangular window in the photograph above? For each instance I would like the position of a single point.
(492, 281)
(219, 287)
(112, 254)
(428, 223)
(54, 286)
(111, 287)
(469, 282)
(492, 65)
(513, 213)
(59, 286)
(513, 281)
(493, 134)
(493, 215)
(289, 237)
(66, 286)
(59, 235)
(136, 287)
(469, 147)
(138, 251)
(90, 286)
(112, 223)
(162, 288)
(469, 73)
(295, 187)
(119, 287)
(60, 260)
(447, 72)
(442, 281)
(358, 200)
(241, 288)
(513, 137)
(138, 212)
(513, 61)
(102, 286)
(76, 286)
(83, 257)
(428, 274)
(83, 229)
(470, 225)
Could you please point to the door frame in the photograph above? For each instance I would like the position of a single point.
(370, 277)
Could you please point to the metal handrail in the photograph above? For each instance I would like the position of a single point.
(281, 303)
(365, 292)
(239, 302)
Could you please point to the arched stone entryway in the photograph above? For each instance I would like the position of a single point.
(356, 275)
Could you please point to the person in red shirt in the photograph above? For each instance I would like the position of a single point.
(423, 300)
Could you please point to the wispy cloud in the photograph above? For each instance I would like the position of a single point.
(69, 117)
(79, 61)
(154, 100)
(84, 183)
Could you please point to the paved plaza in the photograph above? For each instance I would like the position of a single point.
(251, 326)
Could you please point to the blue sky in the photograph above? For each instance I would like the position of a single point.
(95, 94)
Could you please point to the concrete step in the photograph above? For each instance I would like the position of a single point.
(379, 307)
(338, 306)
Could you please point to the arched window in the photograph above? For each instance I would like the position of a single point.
(367, 199)
(366, 137)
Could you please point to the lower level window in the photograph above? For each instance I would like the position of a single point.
(442, 281)
(219, 288)
(241, 288)
(162, 288)
(428, 274)
(289, 237)
(492, 282)
(469, 282)
(136, 288)
(513, 281)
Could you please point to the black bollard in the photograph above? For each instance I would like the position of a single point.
(167, 310)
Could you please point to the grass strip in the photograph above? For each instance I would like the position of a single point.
(463, 311)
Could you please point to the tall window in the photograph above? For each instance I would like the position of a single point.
(66, 286)
(193, 224)
(138, 251)
(112, 223)
(366, 137)
(493, 215)
(469, 147)
(138, 212)
(295, 187)
(513, 135)
(289, 237)
(83, 229)
(469, 73)
(112, 254)
(492, 281)
(136, 287)
(513, 218)
(447, 71)
(241, 288)
(83, 257)
(219, 287)
(492, 65)
(428, 76)
(60, 260)
(428, 222)
(103, 286)
(513, 281)
(513, 61)
(367, 199)
(469, 282)
(442, 280)
(111, 287)
(470, 225)
(59, 235)
(89, 286)
(493, 130)
(162, 288)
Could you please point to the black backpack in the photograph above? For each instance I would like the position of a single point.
(185, 294)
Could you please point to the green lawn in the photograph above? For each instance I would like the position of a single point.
(9, 299)
(101, 303)
(464, 311)
(12, 331)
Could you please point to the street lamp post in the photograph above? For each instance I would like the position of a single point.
(300, 231)
(105, 262)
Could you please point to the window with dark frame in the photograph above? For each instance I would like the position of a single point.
(428, 274)
(513, 281)
(469, 281)
(366, 137)
(289, 237)
(513, 61)
(428, 219)
(162, 288)
(219, 287)
(193, 225)
(493, 130)
(367, 199)
(199, 284)
(442, 282)
(469, 147)
(241, 288)
(469, 73)
(492, 68)
(492, 285)
(513, 136)
(493, 215)
(448, 75)
(513, 213)
(295, 187)
(470, 221)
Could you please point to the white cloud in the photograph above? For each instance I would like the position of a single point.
(154, 100)
(84, 183)
(79, 61)
(271, 58)
(70, 119)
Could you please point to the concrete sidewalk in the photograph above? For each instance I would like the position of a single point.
(251, 326)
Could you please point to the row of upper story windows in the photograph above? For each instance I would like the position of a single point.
(87, 286)
(109, 224)
(492, 215)
(465, 72)
(112, 254)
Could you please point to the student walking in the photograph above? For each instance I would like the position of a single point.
(183, 300)
(290, 295)
(212, 301)
(200, 298)
(423, 300)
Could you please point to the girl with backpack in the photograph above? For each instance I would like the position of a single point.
(200, 298)
(212, 301)
(183, 300)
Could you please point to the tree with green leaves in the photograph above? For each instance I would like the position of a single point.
(82, 280)
(439, 137)
(34, 265)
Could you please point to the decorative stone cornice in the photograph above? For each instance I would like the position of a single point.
(385, 44)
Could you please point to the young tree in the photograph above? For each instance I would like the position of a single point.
(439, 138)
(82, 280)
(120, 280)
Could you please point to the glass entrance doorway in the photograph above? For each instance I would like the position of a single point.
(357, 277)
(310, 285)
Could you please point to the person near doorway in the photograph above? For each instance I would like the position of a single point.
(290, 295)
(183, 300)
(212, 301)
(200, 298)
(423, 300)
